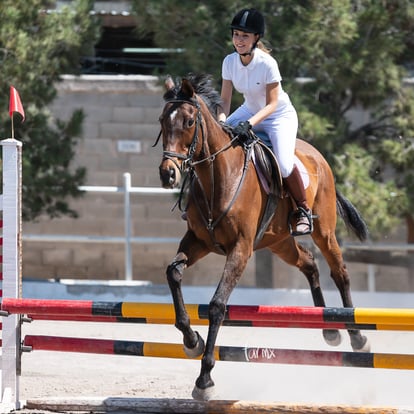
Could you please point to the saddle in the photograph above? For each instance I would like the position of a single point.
(268, 171)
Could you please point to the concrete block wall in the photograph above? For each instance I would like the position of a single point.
(126, 108)
(117, 108)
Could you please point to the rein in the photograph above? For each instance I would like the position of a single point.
(188, 165)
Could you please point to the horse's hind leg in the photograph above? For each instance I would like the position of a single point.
(193, 343)
(296, 255)
(310, 270)
(333, 255)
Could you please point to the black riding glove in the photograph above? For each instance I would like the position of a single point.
(242, 130)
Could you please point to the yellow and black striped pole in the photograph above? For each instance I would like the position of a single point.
(222, 353)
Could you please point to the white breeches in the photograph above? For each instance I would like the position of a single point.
(281, 130)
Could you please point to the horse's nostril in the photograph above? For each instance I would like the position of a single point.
(172, 176)
(168, 176)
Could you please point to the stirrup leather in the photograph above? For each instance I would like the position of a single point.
(295, 216)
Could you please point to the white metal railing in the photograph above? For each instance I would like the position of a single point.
(377, 247)
(380, 247)
(127, 239)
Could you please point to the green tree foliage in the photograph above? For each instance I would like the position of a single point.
(36, 48)
(197, 27)
(336, 57)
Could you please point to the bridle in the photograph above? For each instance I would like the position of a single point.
(187, 158)
(188, 164)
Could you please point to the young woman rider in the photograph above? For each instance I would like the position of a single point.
(266, 107)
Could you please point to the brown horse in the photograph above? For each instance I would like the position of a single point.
(225, 204)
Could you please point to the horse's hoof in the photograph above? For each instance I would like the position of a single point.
(201, 394)
(332, 337)
(365, 347)
(197, 350)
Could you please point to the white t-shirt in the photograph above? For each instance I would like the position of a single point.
(251, 80)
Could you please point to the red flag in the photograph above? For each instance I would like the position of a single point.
(15, 103)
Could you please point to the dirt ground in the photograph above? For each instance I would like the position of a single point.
(74, 375)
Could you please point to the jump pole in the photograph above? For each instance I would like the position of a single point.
(186, 406)
(221, 353)
(204, 322)
(12, 271)
(239, 315)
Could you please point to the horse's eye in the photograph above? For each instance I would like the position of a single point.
(190, 123)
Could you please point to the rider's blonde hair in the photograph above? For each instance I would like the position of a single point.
(260, 45)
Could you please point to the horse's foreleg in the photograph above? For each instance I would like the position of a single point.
(193, 343)
(235, 265)
(182, 320)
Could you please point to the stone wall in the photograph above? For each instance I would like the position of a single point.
(120, 128)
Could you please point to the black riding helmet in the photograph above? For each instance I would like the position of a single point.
(249, 20)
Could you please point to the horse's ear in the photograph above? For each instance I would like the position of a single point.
(169, 83)
(187, 88)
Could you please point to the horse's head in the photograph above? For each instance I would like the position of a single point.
(180, 123)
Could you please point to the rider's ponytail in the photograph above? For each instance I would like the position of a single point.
(260, 45)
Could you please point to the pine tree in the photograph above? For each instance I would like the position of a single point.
(36, 48)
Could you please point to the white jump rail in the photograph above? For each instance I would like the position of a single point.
(12, 271)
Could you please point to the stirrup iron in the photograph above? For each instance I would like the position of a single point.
(295, 215)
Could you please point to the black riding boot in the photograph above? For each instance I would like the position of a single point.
(302, 217)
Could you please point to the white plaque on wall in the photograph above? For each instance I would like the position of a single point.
(129, 146)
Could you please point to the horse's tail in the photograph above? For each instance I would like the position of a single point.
(351, 216)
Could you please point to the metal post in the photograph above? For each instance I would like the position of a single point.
(264, 269)
(127, 214)
(371, 277)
